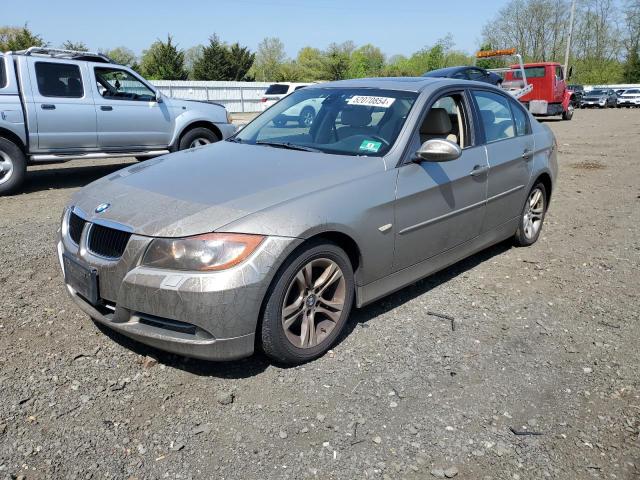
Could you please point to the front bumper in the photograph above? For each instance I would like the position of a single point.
(210, 316)
(629, 103)
(592, 103)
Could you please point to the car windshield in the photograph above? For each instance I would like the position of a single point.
(343, 121)
(277, 89)
(597, 92)
(633, 91)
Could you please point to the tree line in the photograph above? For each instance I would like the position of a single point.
(605, 49)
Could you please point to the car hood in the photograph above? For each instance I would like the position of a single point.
(201, 190)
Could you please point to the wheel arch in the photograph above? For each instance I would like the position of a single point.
(12, 137)
(196, 124)
(545, 179)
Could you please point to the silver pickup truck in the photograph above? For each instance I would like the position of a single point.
(57, 105)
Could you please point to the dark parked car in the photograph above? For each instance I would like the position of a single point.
(466, 73)
(578, 93)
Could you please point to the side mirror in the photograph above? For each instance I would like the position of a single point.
(439, 150)
(570, 72)
(158, 96)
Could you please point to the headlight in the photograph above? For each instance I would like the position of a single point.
(209, 252)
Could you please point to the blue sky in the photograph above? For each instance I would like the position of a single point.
(397, 27)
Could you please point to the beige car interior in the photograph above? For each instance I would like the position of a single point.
(444, 121)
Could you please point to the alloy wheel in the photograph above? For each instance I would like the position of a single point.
(6, 167)
(534, 213)
(313, 303)
(199, 142)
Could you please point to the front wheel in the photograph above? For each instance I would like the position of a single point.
(568, 113)
(197, 137)
(308, 303)
(13, 167)
(533, 213)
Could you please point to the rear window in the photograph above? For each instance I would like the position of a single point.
(277, 89)
(531, 72)
(59, 80)
(3, 76)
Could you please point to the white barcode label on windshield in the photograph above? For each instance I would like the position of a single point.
(384, 102)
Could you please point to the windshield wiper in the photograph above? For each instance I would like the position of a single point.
(289, 146)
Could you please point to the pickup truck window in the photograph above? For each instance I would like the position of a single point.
(116, 84)
(3, 76)
(59, 80)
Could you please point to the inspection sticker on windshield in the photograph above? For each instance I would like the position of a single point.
(370, 146)
(364, 100)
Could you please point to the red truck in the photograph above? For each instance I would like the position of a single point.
(549, 95)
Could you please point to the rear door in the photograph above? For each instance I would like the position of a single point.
(510, 146)
(441, 205)
(127, 111)
(63, 102)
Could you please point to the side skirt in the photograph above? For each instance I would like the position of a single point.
(366, 294)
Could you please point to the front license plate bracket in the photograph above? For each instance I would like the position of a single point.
(83, 279)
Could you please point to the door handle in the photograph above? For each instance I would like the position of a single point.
(479, 170)
(526, 155)
(48, 106)
(106, 108)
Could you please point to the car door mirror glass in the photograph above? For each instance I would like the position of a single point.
(438, 150)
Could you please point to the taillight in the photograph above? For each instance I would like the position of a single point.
(263, 99)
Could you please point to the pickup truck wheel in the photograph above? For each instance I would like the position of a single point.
(197, 137)
(13, 167)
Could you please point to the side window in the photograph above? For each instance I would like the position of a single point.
(476, 74)
(447, 119)
(559, 73)
(521, 119)
(495, 115)
(3, 76)
(59, 80)
(116, 84)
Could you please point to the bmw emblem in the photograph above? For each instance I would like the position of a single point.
(102, 207)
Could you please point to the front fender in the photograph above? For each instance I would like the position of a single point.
(189, 117)
(567, 99)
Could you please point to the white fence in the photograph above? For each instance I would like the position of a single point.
(235, 96)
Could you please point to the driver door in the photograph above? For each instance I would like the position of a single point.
(440, 205)
(128, 114)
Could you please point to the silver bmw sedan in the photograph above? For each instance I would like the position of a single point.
(267, 240)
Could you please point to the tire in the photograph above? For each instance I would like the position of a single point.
(197, 137)
(307, 116)
(13, 167)
(568, 114)
(287, 345)
(279, 122)
(528, 234)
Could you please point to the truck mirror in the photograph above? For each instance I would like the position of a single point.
(570, 72)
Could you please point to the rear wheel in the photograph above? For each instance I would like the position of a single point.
(197, 137)
(307, 116)
(533, 213)
(308, 304)
(13, 167)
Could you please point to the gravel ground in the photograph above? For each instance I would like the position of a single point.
(539, 378)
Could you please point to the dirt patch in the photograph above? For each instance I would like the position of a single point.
(545, 342)
(592, 165)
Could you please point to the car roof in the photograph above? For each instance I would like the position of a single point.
(448, 70)
(408, 84)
